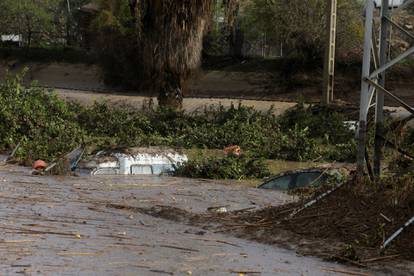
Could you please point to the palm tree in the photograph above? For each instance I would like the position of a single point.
(169, 40)
(172, 33)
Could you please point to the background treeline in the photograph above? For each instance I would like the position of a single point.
(108, 30)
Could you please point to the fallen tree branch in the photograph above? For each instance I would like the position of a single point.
(180, 248)
(244, 272)
(315, 200)
(380, 258)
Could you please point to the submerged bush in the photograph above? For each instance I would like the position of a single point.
(43, 124)
(297, 145)
(47, 127)
(123, 126)
(319, 131)
(228, 167)
(322, 123)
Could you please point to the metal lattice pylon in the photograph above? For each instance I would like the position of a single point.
(373, 79)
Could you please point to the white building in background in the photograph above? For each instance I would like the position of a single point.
(15, 39)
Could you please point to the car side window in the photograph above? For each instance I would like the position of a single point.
(106, 171)
(162, 168)
(280, 183)
(141, 169)
(307, 178)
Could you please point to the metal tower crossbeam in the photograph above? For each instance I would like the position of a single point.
(397, 99)
(392, 62)
(402, 30)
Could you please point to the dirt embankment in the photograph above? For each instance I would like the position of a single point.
(249, 79)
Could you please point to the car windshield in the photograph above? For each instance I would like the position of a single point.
(279, 183)
(307, 178)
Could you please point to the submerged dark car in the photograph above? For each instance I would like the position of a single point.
(291, 180)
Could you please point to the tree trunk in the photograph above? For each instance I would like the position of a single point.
(170, 91)
(171, 37)
(29, 32)
(235, 38)
(236, 41)
(29, 39)
(133, 8)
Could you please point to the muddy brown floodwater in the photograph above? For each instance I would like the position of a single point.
(65, 226)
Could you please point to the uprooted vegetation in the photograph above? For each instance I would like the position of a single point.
(47, 127)
(357, 218)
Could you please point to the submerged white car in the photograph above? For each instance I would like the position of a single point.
(135, 161)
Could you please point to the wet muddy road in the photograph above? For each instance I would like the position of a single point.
(63, 226)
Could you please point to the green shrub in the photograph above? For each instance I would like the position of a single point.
(44, 125)
(322, 122)
(217, 127)
(47, 127)
(317, 131)
(297, 145)
(125, 126)
(340, 152)
(228, 167)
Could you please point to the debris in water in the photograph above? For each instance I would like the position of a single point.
(39, 165)
(218, 209)
(236, 150)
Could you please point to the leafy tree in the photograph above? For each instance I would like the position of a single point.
(41, 21)
(258, 23)
(66, 19)
(34, 19)
(118, 43)
(300, 25)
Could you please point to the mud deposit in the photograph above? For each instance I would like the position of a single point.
(349, 226)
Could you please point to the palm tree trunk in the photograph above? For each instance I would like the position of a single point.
(171, 33)
(170, 91)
